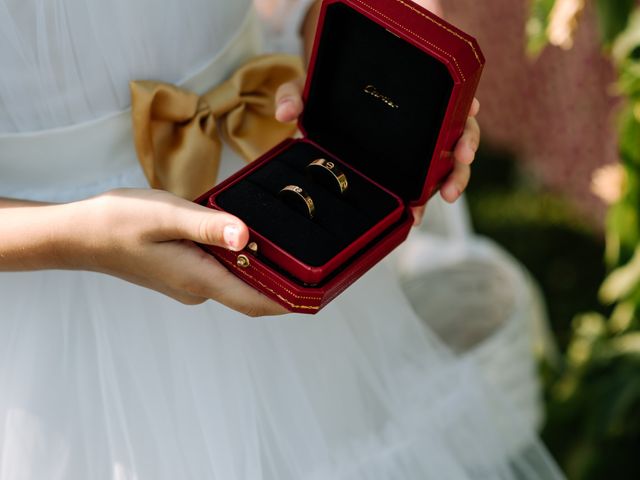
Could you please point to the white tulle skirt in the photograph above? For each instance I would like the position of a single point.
(101, 379)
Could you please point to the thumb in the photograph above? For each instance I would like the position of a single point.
(289, 101)
(210, 227)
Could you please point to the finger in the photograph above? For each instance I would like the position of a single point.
(418, 214)
(456, 183)
(182, 297)
(475, 108)
(467, 146)
(191, 276)
(432, 5)
(189, 221)
(289, 101)
(243, 298)
(159, 282)
(218, 284)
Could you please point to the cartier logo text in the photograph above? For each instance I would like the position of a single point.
(373, 91)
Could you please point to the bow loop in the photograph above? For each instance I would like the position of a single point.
(175, 134)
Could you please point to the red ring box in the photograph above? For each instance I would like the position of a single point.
(387, 95)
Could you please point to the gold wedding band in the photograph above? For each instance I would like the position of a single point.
(334, 170)
(296, 192)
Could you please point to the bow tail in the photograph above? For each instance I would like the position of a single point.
(239, 128)
(189, 165)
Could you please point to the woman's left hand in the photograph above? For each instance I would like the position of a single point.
(289, 106)
(463, 155)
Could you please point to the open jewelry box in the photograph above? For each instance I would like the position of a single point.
(386, 98)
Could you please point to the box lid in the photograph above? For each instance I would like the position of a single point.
(388, 91)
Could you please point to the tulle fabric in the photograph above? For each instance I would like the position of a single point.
(101, 379)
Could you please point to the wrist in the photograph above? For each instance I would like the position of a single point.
(70, 236)
(87, 232)
(35, 236)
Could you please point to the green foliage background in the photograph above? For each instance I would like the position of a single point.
(593, 396)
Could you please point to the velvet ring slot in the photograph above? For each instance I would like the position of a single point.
(304, 239)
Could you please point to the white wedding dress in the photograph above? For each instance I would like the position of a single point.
(101, 379)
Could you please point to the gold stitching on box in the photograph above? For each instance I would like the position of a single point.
(279, 285)
(286, 289)
(293, 305)
(433, 45)
(468, 42)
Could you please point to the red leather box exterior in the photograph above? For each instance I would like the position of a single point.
(463, 59)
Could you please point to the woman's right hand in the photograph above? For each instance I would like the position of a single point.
(147, 237)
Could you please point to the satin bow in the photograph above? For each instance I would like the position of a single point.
(176, 132)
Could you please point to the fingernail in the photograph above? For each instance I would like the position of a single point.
(453, 193)
(231, 235)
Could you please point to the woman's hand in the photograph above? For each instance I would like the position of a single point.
(463, 155)
(147, 237)
(289, 106)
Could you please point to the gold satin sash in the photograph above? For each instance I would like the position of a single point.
(176, 131)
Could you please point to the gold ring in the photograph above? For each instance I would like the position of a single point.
(295, 191)
(334, 170)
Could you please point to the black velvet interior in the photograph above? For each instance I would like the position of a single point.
(391, 146)
(339, 219)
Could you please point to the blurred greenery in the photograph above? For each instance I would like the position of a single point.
(536, 25)
(592, 285)
(557, 244)
(613, 16)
